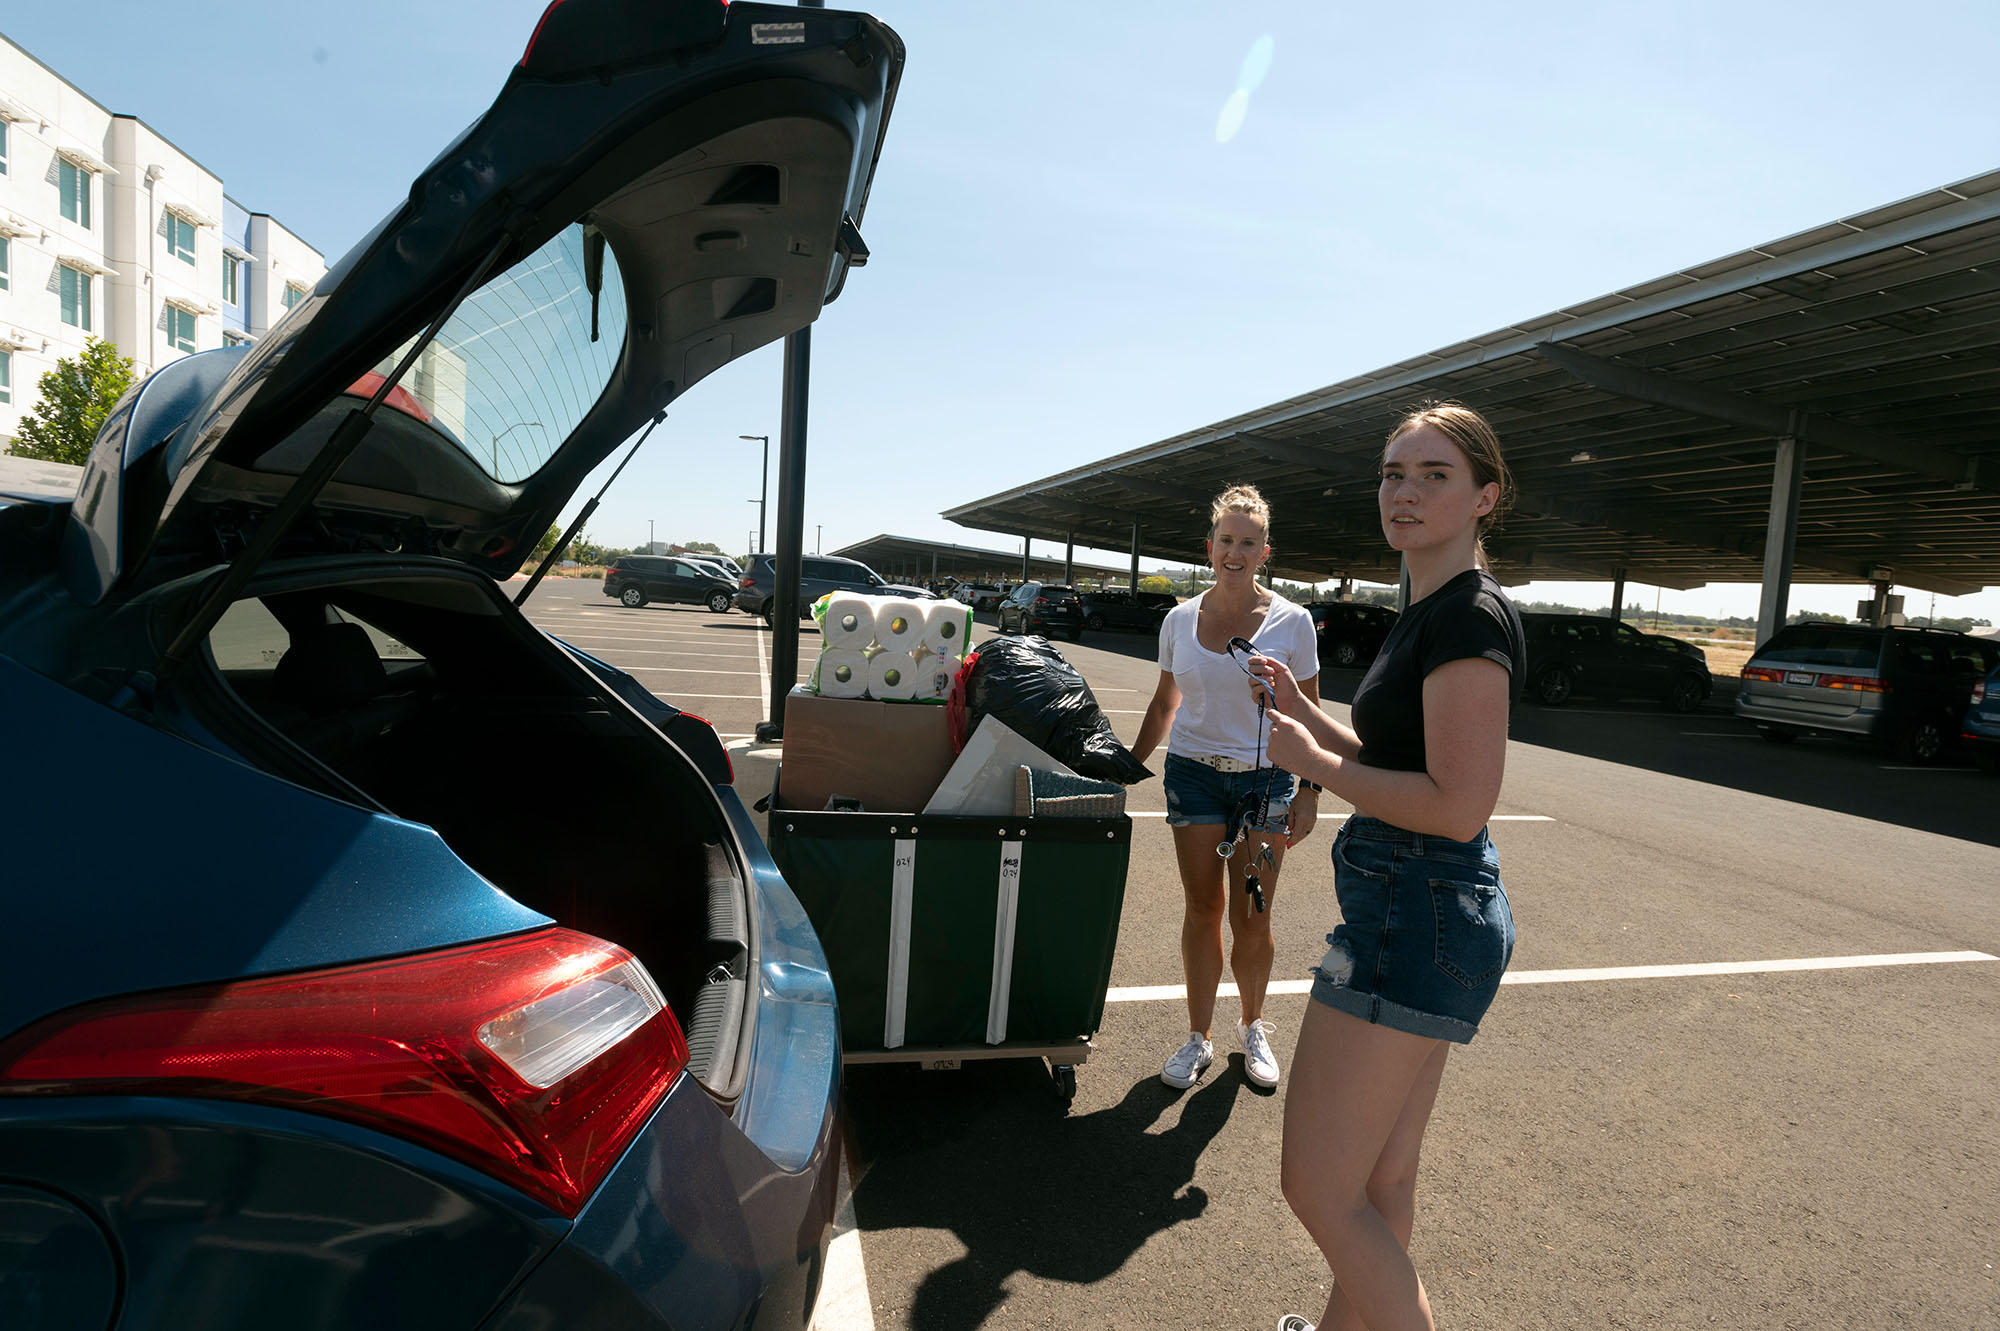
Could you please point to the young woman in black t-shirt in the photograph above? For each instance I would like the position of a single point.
(1422, 768)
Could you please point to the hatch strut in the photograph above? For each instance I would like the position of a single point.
(583, 517)
(346, 436)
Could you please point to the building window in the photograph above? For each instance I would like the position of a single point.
(3, 147)
(180, 328)
(6, 260)
(229, 266)
(293, 294)
(73, 183)
(235, 339)
(75, 298)
(6, 376)
(180, 238)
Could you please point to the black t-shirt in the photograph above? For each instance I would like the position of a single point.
(1468, 616)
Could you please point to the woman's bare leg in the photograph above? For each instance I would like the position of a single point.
(1350, 1085)
(1204, 886)
(1392, 1188)
(1250, 944)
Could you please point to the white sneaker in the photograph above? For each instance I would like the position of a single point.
(1294, 1322)
(1184, 1069)
(1259, 1063)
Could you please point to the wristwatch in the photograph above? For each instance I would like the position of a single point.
(1310, 785)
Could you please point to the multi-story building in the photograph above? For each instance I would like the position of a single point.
(108, 230)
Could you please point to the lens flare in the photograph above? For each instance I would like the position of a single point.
(1231, 119)
(1257, 63)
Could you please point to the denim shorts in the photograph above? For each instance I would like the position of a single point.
(1198, 793)
(1425, 931)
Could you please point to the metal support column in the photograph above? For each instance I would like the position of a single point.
(1069, 559)
(1618, 595)
(1787, 479)
(1135, 560)
(784, 612)
(1026, 541)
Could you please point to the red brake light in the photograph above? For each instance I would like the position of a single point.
(747, 582)
(1764, 673)
(1854, 683)
(369, 384)
(535, 1059)
(727, 761)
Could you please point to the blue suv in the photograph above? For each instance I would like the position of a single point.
(325, 1010)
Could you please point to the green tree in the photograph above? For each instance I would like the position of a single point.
(548, 541)
(75, 397)
(701, 547)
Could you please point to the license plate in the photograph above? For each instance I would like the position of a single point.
(1805, 677)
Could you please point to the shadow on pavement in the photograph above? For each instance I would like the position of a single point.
(1711, 745)
(986, 1152)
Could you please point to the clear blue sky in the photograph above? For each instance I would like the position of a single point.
(1069, 261)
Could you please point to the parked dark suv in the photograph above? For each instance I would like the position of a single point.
(1907, 688)
(1980, 730)
(1350, 632)
(818, 575)
(1042, 607)
(1120, 608)
(1592, 656)
(636, 579)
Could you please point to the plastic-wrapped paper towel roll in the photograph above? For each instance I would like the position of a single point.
(947, 626)
(892, 676)
(900, 624)
(849, 622)
(842, 672)
(935, 673)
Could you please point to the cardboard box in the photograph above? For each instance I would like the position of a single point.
(889, 755)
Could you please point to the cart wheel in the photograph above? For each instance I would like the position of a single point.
(1065, 1076)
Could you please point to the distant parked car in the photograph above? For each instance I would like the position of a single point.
(634, 580)
(1350, 632)
(1120, 608)
(1906, 688)
(1979, 732)
(1042, 607)
(818, 575)
(978, 595)
(1592, 656)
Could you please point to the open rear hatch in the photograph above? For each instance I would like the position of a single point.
(660, 187)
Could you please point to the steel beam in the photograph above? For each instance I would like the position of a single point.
(1773, 418)
(1787, 479)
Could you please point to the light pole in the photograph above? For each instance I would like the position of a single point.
(518, 425)
(649, 538)
(818, 527)
(763, 486)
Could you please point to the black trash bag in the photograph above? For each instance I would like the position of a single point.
(1026, 684)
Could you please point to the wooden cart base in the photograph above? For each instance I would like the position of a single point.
(1062, 1058)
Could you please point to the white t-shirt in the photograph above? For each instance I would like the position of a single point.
(1218, 715)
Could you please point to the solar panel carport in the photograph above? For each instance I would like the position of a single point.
(912, 559)
(1838, 389)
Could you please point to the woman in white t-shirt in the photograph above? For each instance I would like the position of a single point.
(1215, 758)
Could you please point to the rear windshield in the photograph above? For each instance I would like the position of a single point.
(1812, 645)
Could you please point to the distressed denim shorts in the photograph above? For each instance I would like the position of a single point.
(1197, 793)
(1425, 931)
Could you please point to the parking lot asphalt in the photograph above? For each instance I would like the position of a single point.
(1815, 1144)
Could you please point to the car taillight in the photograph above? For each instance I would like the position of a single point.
(535, 1059)
(1764, 674)
(1041, 600)
(1854, 683)
(747, 582)
(728, 763)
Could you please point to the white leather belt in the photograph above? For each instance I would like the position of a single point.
(1220, 763)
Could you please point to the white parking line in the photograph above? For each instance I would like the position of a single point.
(1159, 992)
(1892, 767)
(843, 1290)
(1724, 734)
